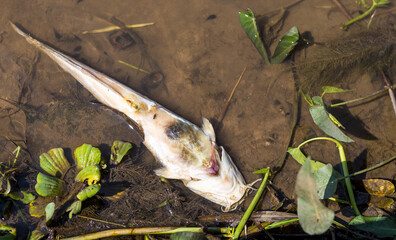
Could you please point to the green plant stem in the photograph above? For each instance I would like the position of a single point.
(339, 200)
(344, 169)
(379, 92)
(251, 207)
(147, 230)
(360, 16)
(370, 168)
(280, 224)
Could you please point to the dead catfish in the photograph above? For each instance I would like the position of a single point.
(186, 152)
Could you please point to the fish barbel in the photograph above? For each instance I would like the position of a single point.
(186, 152)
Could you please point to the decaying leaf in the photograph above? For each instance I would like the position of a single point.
(119, 150)
(379, 187)
(313, 216)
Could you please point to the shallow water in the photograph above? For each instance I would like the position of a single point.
(201, 57)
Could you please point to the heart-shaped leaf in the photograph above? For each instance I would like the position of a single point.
(326, 181)
(380, 226)
(322, 119)
(313, 216)
(119, 150)
(248, 23)
(286, 45)
(86, 155)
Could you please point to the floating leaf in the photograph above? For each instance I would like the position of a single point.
(313, 216)
(380, 226)
(37, 235)
(286, 45)
(88, 192)
(37, 207)
(54, 162)
(49, 211)
(326, 181)
(90, 173)
(49, 186)
(321, 118)
(381, 201)
(330, 89)
(8, 232)
(23, 196)
(74, 208)
(86, 155)
(379, 187)
(187, 236)
(119, 150)
(248, 23)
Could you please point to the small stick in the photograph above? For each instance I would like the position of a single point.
(342, 9)
(390, 90)
(221, 117)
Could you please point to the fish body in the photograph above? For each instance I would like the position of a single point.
(186, 152)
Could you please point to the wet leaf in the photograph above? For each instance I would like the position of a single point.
(313, 216)
(262, 171)
(90, 173)
(379, 187)
(119, 150)
(330, 89)
(49, 211)
(86, 155)
(248, 23)
(88, 192)
(74, 208)
(23, 196)
(381, 201)
(286, 45)
(299, 156)
(37, 235)
(54, 162)
(380, 226)
(326, 181)
(321, 118)
(49, 186)
(37, 207)
(8, 232)
(187, 236)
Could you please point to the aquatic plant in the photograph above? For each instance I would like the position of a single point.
(375, 4)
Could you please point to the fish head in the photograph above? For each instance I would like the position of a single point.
(227, 187)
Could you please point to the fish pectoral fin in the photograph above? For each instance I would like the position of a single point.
(165, 173)
(207, 128)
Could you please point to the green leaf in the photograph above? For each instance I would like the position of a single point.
(86, 155)
(286, 45)
(49, 186)
(23, 196)
(330, 89)
(326, 181)
(90, 173)
(88, 192)
(54, 162)
(187, 236)
(313, 216)
(37, 235)
(248, 23)
(262, 171)
(321, 118)
(299, 156)
(74, 208)
(9, 232)
(380, 226)
(37, 207)
(49, 211)
(119, 150)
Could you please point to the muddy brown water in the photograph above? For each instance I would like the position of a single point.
(200, 49)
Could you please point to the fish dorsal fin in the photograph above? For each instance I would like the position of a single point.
(207, 128)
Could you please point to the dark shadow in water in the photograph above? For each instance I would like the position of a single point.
(352, 124)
